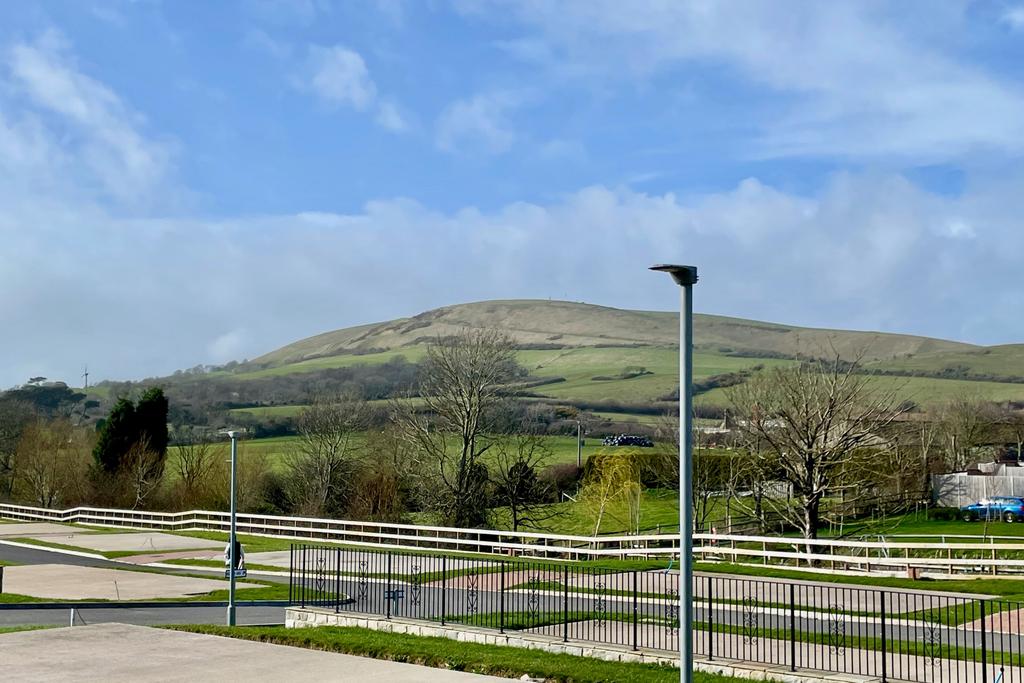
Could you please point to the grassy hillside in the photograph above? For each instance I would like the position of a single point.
(608, 354)
(572, 324)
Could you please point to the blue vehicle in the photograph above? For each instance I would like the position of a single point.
(1005, 508)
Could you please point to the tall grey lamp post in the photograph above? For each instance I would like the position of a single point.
(685, 277)
(233, 537)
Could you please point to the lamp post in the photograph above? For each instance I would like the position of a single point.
(233, 538)
(685, 277)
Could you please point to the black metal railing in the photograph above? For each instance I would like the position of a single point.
(899, 635)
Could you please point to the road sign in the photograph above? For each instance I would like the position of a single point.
(239, 573)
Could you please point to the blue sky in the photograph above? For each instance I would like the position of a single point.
(191, 182)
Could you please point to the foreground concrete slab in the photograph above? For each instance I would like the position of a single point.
(70, 582)
(33, 529)
(147, 541)
(117, 652)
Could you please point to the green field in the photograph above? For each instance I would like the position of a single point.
(578, 367)
(603, 342)
(562, 448)
(411, 354)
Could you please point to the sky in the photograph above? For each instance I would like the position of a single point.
(186, 182)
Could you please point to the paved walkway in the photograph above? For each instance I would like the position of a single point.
(69, 582)
(116, 652)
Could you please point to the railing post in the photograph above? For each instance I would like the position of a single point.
(387, 591)
(881, 603)
(984, 646)
(303, 584)
(444, 587)
(291, 574)
(792, 627)
(501, 623)
(565, 604)
(711, 618)
(635, 612)
(337, 580)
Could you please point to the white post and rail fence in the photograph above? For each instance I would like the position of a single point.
(897, 553)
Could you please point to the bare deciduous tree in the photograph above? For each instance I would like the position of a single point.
(194, 465)
(516, 484)
(383, 482)
(966, 422)
(460, 387)
(810, 418)
(52, 459)
(322, 467)
(15, 416)
(141, 471)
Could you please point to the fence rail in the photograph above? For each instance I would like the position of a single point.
(952, 554)
(916, 636)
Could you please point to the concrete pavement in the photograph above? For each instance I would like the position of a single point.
(70, 582)
(117, 652)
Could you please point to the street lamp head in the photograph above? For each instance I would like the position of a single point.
(683, 275)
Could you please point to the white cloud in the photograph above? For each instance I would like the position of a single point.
(389, 117)
(479, 124)
(859, 84)
(228, 346)
(339, 77)
(97, 131)
(1014, 17)
(868, 251)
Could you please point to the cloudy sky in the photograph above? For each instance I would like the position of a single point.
(191, 182)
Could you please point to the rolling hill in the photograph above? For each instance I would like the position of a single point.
(552, 324)
(596, 351)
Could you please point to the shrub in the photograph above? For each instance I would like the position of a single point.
(944, 514)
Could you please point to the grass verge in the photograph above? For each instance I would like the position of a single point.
(16, 629)
(510, 662)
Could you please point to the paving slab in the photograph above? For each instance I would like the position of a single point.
(146, 541)
(118, 652)
(33, 529)
(69, 582)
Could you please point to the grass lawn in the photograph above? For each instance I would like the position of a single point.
(444, 653)
(658, 506)
(16, 629)
(912, 524)
(277, 448)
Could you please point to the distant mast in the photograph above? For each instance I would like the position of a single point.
(85, 375)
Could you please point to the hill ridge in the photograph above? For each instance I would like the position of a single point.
(536, 322)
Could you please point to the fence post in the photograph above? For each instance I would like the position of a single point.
(881, 603)
(635, 611)
(387, 591)
(792, 627)
(984, 646)
(337, 581)
(501, 623)
(291, 574)
(565, 604)
(303, 584)
(444, 587)
(711, 619)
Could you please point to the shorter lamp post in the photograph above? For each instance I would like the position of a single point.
(233, 536)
